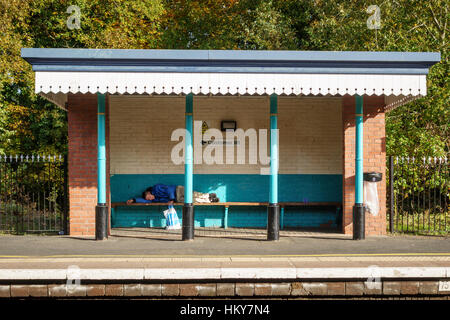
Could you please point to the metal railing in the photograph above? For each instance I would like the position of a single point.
(419, 197)
(33, 194)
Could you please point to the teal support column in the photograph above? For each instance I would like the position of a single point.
(188, 207)
(189, 151)
(101, 149)
(358, 208)
(273, 196)
(273, 211)
(101, 211)
(282, 218)
(225, 218)
(359, 150)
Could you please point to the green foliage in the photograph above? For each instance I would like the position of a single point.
(266, 28)
(226, 24)
(29, 123)
(195, 24)
(103, 24)
(421, 195)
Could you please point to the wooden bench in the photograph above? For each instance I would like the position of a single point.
(226, 205)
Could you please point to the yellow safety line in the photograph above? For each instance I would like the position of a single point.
(231, 256)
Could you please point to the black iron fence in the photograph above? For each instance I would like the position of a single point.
(419, 197)
(33, 194)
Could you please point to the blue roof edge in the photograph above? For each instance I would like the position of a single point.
(162, 60)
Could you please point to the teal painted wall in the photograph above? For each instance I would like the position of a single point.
(232, 187)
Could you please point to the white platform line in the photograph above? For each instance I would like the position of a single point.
(225, 273)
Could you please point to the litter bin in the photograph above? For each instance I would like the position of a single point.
(371, 201)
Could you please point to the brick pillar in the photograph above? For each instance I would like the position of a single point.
(374, 159)
(82, 130)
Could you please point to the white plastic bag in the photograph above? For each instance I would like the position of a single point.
(371, 197)
(172, 222)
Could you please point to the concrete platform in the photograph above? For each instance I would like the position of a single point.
(207, 277)
(150, 242)
(133, 264)
(146, 268)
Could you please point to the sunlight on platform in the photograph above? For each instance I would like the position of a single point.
(237, 233)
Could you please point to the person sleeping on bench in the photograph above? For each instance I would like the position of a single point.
(161, 193)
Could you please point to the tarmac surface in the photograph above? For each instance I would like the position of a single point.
(142, 243)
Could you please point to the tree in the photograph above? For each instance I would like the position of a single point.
(422, 127)
(29, 123)
(225, 24)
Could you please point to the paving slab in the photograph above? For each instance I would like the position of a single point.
(184, 264)
(133, 246)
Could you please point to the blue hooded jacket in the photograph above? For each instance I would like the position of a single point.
(162, 193)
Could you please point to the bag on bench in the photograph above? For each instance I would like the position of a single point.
(172, 222)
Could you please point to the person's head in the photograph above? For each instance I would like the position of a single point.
(147, 194)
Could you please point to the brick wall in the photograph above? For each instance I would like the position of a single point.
(374, 159)
(82, 130)
(141, 127)
(398, 289)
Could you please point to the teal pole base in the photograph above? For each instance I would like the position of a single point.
(188, 222)
(101, 221)
(273, 221)
(359, 221)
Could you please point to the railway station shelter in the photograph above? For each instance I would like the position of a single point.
(281, 137)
